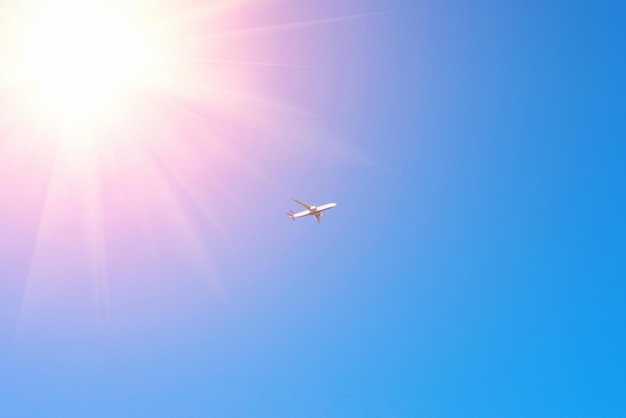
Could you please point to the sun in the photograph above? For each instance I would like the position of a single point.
(128, 126)
(79, 59)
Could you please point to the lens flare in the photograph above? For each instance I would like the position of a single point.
(123, 124)
(80, 60)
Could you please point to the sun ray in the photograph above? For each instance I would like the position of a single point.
(95, 241)
(253, 63)
(145, 128)
(279, 27)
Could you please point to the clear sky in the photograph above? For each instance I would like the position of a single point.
(473, 267)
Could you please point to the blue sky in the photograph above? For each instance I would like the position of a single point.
(473, 267)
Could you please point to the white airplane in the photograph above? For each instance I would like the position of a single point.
(310, 210)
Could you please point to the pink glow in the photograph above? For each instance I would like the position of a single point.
(126, 183)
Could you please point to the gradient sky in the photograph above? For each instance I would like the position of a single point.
(474, 265)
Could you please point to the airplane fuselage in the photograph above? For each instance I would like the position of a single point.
(311, 211)
(315, 210)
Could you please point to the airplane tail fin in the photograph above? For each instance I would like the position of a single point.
(290, 214)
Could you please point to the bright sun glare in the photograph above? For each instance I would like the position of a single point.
(126, 124)
(81, 59)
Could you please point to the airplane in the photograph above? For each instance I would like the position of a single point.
(316, 211)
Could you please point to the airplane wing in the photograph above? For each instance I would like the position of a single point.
(318, 217)
(302, 204)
